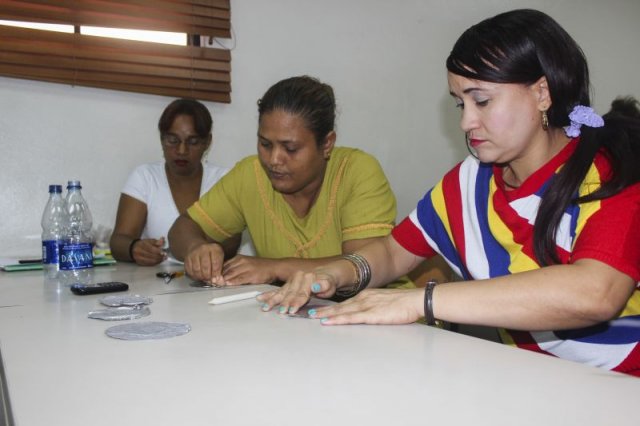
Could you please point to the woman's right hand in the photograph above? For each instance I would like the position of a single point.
(204, 263)
(297, 291)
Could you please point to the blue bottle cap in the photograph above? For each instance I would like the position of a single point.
(55, 189)
(74, 184)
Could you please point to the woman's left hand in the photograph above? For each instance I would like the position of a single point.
(376, 306)
(298, 290)
(148, 251)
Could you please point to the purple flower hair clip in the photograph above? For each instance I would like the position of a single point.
(582, 115)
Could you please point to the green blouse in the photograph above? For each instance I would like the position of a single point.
(355, 202)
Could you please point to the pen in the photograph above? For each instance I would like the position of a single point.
(23, 261)
(234, 297)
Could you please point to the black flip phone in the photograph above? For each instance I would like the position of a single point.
(108, 287)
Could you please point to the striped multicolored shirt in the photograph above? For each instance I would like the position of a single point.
(485, 231)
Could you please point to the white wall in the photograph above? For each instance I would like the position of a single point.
(385, 60)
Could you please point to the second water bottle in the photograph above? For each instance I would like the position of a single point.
(76, 250)
(53, 222)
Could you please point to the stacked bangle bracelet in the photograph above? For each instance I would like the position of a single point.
(428, 303)
(363, 275)
(131, 244)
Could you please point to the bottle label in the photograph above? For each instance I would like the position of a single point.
(50, 252)
(76, 256)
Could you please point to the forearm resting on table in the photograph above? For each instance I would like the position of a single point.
(119, 245)
(387, 259)
(130, 220)
(551, 298)
(285, 268)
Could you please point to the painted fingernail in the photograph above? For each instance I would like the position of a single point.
(315, 288)
(292, 310)
(265, 307)
(323, 320)
(282, 309)
(312, 312)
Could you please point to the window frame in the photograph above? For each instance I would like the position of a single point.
(198, 72)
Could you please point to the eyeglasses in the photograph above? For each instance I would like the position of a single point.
(172, 141)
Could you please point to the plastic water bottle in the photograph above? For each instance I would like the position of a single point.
(76, 250)
(53, 220)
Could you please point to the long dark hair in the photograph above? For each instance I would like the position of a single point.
(306, 97)
(521, 46)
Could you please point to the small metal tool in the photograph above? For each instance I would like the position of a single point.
(168, 276)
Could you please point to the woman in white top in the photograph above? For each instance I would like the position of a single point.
(156, 194)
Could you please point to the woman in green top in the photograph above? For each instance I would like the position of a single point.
(303, 201)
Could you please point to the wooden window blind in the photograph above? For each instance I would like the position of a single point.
(144, 67)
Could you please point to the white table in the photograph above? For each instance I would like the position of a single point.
(240, 366)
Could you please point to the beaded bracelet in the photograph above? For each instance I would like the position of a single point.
(363, 275)
(131, 244)
(428, 302)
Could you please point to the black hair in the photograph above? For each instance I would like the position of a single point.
(523, 45)
(202, 120)
(306, 97)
